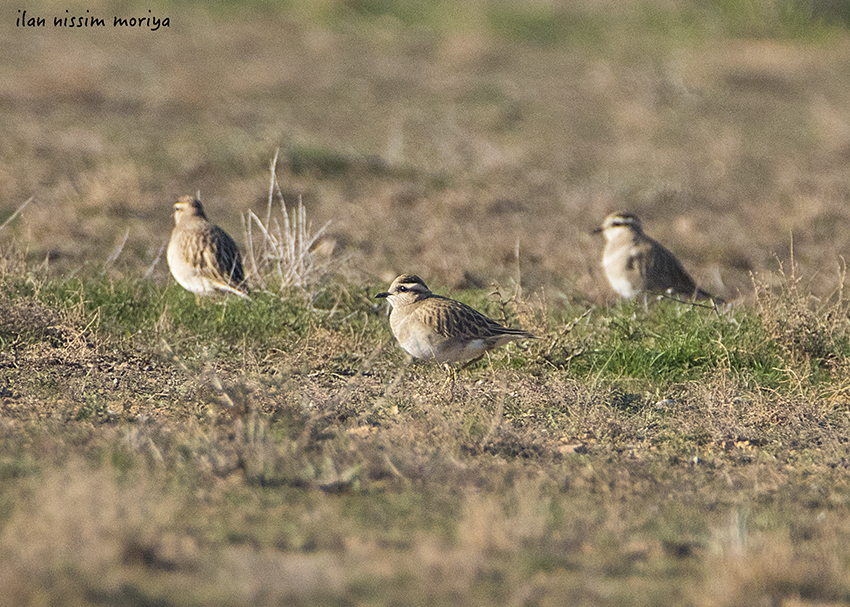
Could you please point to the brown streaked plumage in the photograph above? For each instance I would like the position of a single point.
(635, 263)
(432, 327)
(202, 257)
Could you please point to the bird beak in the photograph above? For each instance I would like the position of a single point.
(383, 295)
(596, 231)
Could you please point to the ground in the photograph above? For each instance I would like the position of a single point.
(159, 450)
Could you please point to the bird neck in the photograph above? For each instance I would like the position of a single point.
(622, 236)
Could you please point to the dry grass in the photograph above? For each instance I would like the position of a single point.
(283, 451)
(504, 487)
(725, 146)
(289, 252)
(812, 332)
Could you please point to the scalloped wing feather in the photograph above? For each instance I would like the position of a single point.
(456, 320)
(215, 255)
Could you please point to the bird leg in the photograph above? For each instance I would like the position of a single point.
(451, 376)
(471, 362)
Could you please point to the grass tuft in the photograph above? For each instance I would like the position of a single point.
(812, 333)
(159, 450)
(289, 253)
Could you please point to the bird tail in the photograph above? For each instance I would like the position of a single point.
(236, 291)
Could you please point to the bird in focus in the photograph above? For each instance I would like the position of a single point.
(436, 328)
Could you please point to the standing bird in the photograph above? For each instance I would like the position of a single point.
(201, 256)
(635, 263)
(437, 328)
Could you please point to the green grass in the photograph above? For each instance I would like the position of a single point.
(677, 342)
(584, 25)
(124, 308)
(156, 449)
(661, 344)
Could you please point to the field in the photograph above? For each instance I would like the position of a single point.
(161, 451)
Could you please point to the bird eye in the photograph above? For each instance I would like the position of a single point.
(402, 289)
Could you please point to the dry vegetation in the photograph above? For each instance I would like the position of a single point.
(282, 451)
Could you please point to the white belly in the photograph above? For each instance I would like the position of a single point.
(442, 351)
(615, 264)
(186, 275)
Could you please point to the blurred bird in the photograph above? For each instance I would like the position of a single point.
(202, 257)
(635, 263)
(432, 327)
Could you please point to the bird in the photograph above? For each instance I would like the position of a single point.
(436, 328)
(202, 257)
(635, 263)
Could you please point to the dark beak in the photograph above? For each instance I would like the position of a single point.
(383, 295)
(596, 231)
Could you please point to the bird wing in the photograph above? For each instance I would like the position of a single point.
(638, 264)
(228, 261)
(214, 254)
(667, 273)
(454, 319)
